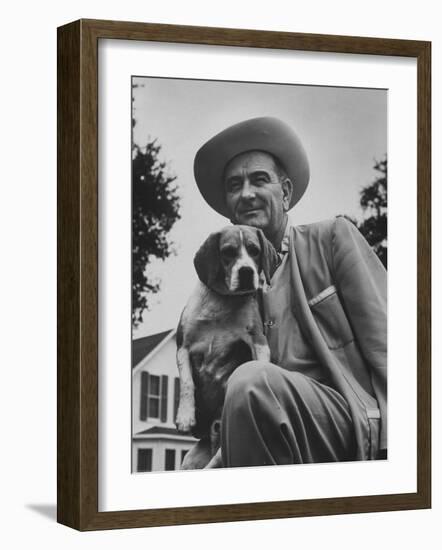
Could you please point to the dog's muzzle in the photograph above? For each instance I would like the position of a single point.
(246, 277)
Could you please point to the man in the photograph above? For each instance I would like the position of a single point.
(323, 397)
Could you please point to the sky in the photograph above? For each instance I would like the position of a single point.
(344, 131)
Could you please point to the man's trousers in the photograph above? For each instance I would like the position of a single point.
(274, 416)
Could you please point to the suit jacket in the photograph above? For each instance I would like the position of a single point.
(339, 298)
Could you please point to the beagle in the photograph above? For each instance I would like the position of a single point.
(220, 328)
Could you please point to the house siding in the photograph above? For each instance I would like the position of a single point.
(160, 362)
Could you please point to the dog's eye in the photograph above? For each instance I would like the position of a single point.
(253, 250)
(228, 252)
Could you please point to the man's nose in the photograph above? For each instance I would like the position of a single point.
(247, 191)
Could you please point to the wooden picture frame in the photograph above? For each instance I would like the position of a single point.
(77, 459)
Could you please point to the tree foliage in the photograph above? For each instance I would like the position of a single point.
(155, 208)
(374, 204)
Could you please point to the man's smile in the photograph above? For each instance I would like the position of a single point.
(249, 211)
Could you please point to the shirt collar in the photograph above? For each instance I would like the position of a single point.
(284, 248)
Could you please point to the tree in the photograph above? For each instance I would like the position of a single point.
(155, 208)
(374, 204)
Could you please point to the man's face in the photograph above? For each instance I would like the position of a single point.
(255, 193)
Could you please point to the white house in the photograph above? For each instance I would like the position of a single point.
(156, 444)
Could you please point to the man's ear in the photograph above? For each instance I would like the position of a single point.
(287, 191)
(269, 257)
(207, 263)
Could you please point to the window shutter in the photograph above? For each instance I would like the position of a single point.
(164, 381)
(144, 394)
(176, 397)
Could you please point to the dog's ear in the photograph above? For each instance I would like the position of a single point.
(207, 263)
(269, 257)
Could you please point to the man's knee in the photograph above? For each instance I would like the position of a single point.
(246, 375)
(253, 377)
(245, 393)
(262, 379)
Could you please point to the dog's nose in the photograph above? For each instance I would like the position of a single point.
(246, 276)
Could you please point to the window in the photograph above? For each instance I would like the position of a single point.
(183, 454)
(144, 460)
(170, 459)
(153, 399)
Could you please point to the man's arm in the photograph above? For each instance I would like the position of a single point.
(362, 283)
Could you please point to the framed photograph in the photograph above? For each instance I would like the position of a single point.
(226, 249)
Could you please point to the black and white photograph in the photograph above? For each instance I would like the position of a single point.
(222, 256)
(259, 274)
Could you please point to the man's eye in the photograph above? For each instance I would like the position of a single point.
(234, 186)
(261, 179)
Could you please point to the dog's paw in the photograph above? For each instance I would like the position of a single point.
(185, 419)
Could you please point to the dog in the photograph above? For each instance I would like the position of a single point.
(220, 328)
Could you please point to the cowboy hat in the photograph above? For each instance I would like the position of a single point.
(267, 134)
